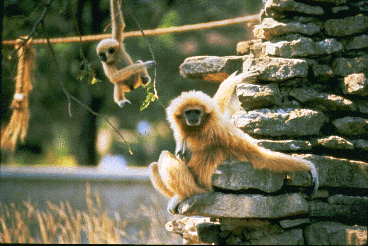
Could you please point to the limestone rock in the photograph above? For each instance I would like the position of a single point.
(336, 172)
(335, 142)
(292, 237)
(186, 228)
(294, 222)
(292, 6)
(347, 26)
(346, 66)
(244, 206)
(362, 106)
(280, 122)
(238, 176)
(332, 233)
(302, 47)
(258, 96)
(322, 71)
(285, 145)
(351, 125)
(356, 84)
(322, 101)
(244, 47)
(358, 42)
(277, 69)
(210, 68)
(242, 176)
(270, 28)
(209, 233)
(361, 144)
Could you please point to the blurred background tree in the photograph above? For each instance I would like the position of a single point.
(83, 139)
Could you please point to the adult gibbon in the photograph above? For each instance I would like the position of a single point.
(117, 64)
(203, 130)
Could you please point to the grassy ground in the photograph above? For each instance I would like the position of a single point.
(60, 223)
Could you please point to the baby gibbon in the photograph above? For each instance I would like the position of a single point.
(203, 130)
(116, 62)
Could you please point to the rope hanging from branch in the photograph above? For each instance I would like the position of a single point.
(18, 125)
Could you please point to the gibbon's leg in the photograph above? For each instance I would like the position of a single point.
(157, 181)
(177, 177)
(129, 71)
(145, 78)
(227, 87)
(119, 95)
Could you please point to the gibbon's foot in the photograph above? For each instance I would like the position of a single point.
(121, 103)
(172, 207)
(145, 80)
(147, 64)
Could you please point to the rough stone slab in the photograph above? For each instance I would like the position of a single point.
(351, 125)
(253, 96)
(293, 223)
(302, 47)
(359, 42)
(335, 172)
(356, 84)
(244, 206)
(210, 68)
(270, 28)
(280, 122)
(292, 237)
(322, 71)
(347, 26)
(362, 106)
(285, 145)
(277, 69)
(361, 144)
(244, 47)
(335, 142)
(186, 228)
(209, 233)
(292, 6)
(346, 66)
(242, 176)
(337, 2)
(345, 209)
(332, 233)
(323, 101)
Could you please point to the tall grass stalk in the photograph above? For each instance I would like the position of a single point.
(24, 223)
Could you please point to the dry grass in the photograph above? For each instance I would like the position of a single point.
(24, 223)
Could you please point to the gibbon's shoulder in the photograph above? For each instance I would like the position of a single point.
(107, 43)
(191, 99)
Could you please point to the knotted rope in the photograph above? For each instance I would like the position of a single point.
(18, 124)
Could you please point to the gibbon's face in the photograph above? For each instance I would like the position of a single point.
(193, 116)
(107, 50)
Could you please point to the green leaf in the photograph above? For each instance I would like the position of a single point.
(150, 98)
(94, 80)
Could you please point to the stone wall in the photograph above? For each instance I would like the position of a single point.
(311, 100)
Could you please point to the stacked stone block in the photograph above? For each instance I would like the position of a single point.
(310, 100)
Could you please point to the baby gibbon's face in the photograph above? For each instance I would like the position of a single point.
(107, 50)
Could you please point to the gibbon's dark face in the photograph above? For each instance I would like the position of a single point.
(193, 117)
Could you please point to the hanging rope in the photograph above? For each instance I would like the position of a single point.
(18, 125)
(152, 32)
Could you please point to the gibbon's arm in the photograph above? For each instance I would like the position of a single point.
(117, 21)
(227, 87)
(127, 72)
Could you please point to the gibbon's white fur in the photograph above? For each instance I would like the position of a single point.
(203, 130)
(117, 64)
